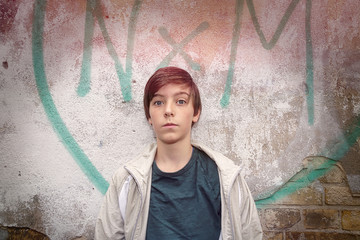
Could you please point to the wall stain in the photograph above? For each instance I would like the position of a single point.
(27, 214)
(8, 10)
(7, 128)
(5, 64)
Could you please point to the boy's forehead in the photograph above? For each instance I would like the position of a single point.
(174, 88)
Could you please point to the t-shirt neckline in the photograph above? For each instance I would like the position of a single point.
(191, 162)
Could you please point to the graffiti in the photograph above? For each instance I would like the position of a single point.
(269, 45)
(84, 84)
(93, 12)
(309, 65)
(93, 9)
(304, 180)
(234, 43)
(58, 124)
(178, 47)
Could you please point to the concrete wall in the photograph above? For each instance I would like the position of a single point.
(279, 83)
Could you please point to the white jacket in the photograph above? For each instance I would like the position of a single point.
(124, 212)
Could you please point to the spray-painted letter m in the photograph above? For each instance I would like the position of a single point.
(93, 9)
(269, 45)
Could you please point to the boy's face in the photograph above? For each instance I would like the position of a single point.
(172, 113)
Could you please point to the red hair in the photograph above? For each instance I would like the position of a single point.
(170, 75)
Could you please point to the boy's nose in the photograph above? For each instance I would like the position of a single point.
(169, 112)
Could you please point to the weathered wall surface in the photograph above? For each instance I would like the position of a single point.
(279, 83)
(324, 209)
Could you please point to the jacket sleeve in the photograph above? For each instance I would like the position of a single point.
(250, 222)
(110, 224)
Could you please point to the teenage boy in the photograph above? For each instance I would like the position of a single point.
(177, 189)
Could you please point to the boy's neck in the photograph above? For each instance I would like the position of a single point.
(173, 157)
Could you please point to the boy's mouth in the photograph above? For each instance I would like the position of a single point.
(169, 125)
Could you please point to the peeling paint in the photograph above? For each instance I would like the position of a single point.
(29, 214)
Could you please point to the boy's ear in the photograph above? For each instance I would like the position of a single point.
(149, 120)
(196, 117)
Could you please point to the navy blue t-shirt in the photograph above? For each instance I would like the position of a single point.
(186, 204)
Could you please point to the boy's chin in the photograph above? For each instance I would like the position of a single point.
(169, 140)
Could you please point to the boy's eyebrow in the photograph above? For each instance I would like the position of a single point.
(176, 94)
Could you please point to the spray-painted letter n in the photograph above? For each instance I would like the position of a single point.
(93, 10)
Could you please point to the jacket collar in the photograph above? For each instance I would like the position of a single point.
(228, 170)
(140, 167)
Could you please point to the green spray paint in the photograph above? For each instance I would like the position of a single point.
(340, 149)
(93, 9)
(53, 115)
(280, 28)
(84, 84)
(269, 45)
(178, 47)
(234, 44)
(309, 65)
(305, 177)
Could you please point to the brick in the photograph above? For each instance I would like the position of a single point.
(303, 196)
(335, 175)
(313, 163)
(280, 219)
(3, 233)
(301, 176)
(262, 218)
(25, 234)
(273, 235)
(320, 236)
(321, 219)
(340, 195)
(351, 220)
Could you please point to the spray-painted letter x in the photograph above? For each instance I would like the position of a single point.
(178, 47)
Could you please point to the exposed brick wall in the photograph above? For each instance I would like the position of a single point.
(325, 209)
(15, 233)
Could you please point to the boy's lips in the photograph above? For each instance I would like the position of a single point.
(170, 125)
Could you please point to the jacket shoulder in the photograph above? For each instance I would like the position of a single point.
(220, 159)
(138, 167)
(119, 176)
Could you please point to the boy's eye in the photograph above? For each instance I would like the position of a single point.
(181, 102)
(157, 103)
